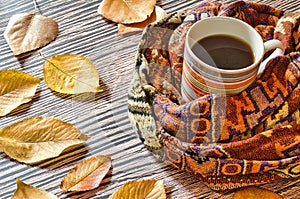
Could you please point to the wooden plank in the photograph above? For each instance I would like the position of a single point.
(102, 116)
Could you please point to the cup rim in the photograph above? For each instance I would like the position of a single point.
(258, 58)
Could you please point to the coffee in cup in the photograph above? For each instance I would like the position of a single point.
(223, 55)
(224, 52)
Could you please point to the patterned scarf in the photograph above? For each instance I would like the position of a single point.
(225, 141)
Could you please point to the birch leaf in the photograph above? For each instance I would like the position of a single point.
(26, 32)
(141, 189)
(35, 139)
(16, 88)
(87, 175)
(71, 74)
(157, 15)
(255, 193)
(126, 11)
(25, 191)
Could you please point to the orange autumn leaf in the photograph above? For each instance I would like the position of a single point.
(16, 88)
(126, 11)
(87, 175)
(157, 15)
(33, 140)
(255, 193)
(25, 191)
(71, 74)
(141, 189)
(26, 32)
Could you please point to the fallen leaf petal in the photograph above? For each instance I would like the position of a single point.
(16, 88)
(26, 32)
(36, 139)
(126, 11)
(87, 175)
(157, 15)
(255, 193)
(141, 189)
(71, 74)
(25, 191)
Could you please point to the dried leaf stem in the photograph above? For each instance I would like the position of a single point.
(36, 7)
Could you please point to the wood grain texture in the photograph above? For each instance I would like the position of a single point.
(102, 116)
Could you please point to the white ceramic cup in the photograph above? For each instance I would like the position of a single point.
(200, 78)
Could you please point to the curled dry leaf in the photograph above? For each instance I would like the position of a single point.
(26, 32)
(71, 74)
(25, 191)
(255, 193)
(157, 15)
(126, 11)
(141, 189)
(35, 139)
(87, 175)
(16, 88)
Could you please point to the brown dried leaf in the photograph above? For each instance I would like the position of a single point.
(35, 139)
(25, 191)
(71, 74)
(141, 189)
(16, 88)
(26, 32)
(255, 193)
(126, 11)
(157, 15)
(87, 175)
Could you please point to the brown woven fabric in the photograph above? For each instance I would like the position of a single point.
(225, 141)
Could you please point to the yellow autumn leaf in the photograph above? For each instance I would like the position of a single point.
(87, 175)
(255, 193)
(157, 15)
(25, 191)
(71, 74)
(26, 32)
(16, 88)
(141, 189)
(126, 11)
(36, 139)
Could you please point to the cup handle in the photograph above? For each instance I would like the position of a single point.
(270, 45)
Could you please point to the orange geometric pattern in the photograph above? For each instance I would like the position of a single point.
(225, 141)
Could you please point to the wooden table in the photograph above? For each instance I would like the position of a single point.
(102, 116)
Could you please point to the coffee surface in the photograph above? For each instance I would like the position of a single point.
(224, 52)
